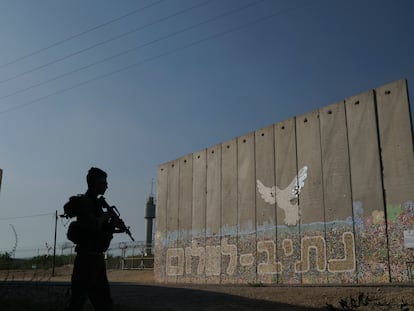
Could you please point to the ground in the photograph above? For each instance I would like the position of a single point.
(136, 290)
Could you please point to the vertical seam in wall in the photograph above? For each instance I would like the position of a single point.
(166, 227)
(352, 193)
(237, 207)
(384, 194)
(206, 218)
(191, 233)
(219, 233)
(275, 205)
(318, 116)
(410, 114)
(192, 211)
(178, 235)
(299, 207)
(205, 212)
(221, 209)
(255, 203)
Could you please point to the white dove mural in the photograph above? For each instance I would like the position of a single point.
(286, 198)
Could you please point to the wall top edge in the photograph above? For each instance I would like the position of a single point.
(402, 83)
(349, 100)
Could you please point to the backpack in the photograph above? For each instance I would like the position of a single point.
(74, 233)
(71, 209)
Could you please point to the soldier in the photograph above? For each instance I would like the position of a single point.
(92, 234)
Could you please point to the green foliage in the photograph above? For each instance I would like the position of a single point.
(113, 262)
(37, 262)
(5, 260)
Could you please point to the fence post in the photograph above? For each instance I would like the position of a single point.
(54, 245)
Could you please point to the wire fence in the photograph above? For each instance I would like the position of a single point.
(40, 264)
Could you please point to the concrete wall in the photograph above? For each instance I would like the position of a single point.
(323, 198)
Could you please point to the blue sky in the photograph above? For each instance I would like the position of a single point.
(240, 65)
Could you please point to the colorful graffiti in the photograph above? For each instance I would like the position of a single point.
(400, 219)
(208, 258)
(344, 257)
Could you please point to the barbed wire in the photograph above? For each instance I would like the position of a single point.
(67, 246)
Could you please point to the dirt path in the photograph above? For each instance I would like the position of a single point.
(137, 289)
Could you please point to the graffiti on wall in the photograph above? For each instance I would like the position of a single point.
(286, 199)
(208, 258)
(371, 229)
(400, 218)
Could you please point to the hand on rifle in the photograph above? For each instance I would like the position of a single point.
(120, 226)
(104, 219)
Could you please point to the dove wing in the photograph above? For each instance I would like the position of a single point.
(299, 181)
(267, 193)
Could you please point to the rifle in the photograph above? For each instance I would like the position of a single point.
(115, 215)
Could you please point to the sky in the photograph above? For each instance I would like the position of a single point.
(129, 85)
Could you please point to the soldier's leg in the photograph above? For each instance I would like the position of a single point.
(82, 278)
(100, 293)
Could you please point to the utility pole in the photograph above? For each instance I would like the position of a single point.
(54, 245)
(1, 177)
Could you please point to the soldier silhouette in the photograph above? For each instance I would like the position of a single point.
(92, 233)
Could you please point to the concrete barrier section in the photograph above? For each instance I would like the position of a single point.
(322, 198)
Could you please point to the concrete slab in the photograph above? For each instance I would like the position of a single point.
(229, 212)
(340, 247)
(185, 209)
(161, 224)
(311, 204)
(368, 201)
(288, 236)
(197, 261)
(396, 142)
(267, 268)
(213, 215)
(174, 261)
(246, 242)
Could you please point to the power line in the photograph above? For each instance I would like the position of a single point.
(147, 60)
(104, 42)
(225, 14)
(28, 216)
(80, 34)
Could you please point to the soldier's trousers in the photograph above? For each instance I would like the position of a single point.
(89, 280)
